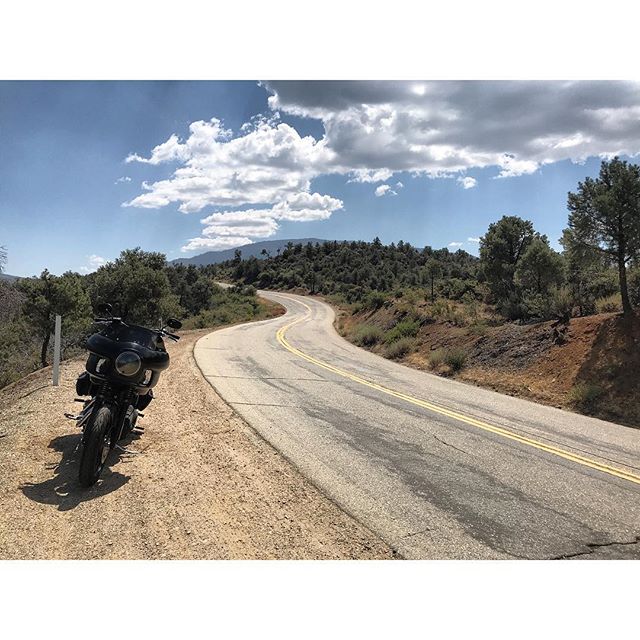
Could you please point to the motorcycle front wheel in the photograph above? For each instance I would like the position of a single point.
(97, 444)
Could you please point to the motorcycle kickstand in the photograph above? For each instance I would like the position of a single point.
(129, 451)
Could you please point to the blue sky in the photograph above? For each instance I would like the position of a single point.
(73, 153)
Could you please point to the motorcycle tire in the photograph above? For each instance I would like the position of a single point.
(97, 444)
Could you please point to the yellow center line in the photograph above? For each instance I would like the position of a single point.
(485, 426)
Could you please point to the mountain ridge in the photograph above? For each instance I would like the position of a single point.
(253, 249)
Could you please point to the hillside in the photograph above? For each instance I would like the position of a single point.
(253, 250)
(586, 365)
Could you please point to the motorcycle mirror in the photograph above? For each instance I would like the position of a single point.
(105, 309)
(174, 324)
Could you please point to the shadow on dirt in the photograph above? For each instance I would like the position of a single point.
(63, 489)
(611, 369)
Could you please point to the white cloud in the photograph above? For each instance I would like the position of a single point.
(443, 128)
(93, 263)
(215, 244)
(223, 226)
(467, 182)
(374, 130)
(399, 185)
(266, 164)
(476, 240)
(122, 179)
(384, 189)
(456, 244)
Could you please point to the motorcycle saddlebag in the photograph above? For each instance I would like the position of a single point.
(83, 384)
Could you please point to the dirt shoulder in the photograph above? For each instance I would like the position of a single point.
(203, 485)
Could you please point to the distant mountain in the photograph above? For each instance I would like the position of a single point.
(248, 250)
(6, 276)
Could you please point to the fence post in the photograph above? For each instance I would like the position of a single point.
(56, 351)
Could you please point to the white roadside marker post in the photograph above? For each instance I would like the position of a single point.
(56, 351)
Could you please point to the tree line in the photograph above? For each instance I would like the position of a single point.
(518, 272)
(140, 285)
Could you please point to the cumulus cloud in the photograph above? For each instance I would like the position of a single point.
(442, 128)
(268, 162)
(93, 263)
(215, 244)
(384, 189)
(122, 179)
(476, 240)
(374, 130)
(222, 228)
(467, 182)
(456, 244)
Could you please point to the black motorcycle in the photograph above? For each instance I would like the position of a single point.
(123, 366)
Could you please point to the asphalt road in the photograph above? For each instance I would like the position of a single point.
(439, 469)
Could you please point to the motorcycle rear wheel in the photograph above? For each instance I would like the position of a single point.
(97, 444)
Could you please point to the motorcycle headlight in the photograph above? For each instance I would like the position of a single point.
(128, 363)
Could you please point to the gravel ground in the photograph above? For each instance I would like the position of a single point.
(202, 486)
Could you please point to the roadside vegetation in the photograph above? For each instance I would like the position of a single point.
(142, 287)
(501, 319)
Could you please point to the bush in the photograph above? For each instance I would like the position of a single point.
(561, 303)
(585, 395)
(400, 348)
(513, 309)
(436, 358)
(374, 300)
(479, 328)
(455, 358)
(610, 304)
(404, 329)
(367, 335)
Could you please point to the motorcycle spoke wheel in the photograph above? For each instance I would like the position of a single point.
(97, 444)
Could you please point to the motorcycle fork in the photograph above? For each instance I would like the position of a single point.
(126, 399)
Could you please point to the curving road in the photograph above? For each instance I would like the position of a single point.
(439, 469)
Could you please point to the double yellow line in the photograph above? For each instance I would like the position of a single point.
(485, 426)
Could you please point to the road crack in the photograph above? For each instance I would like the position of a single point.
(448, 444)
(415, 533)
(594, 546)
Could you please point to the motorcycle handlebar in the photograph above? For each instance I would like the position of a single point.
(173, 336)
(108, 320)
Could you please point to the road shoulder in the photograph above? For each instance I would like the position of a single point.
(202, 485)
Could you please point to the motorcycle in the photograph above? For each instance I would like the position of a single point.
(124, 364)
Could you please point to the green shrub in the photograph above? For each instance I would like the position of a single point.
(479, 328)
(411, 296)
(436, 358)
(404, 329)
(584, 395)
(609, 304)
(440, 308)
(455, 358)
(367, 335)
(374, 300)
(561, 303)
(400, 348)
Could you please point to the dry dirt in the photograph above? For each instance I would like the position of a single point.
(202, 486)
